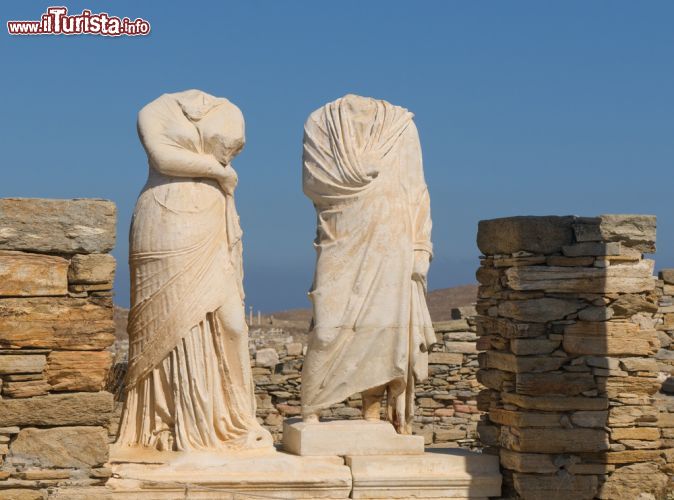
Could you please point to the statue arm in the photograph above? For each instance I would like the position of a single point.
(420, 209)
(419, 197)
(170, 158)
(423, 224)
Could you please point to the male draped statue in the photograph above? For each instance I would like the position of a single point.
(189, 384)
(371, 328)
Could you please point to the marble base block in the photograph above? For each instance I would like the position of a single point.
(347, 437)
(202, 475)
(441, 473)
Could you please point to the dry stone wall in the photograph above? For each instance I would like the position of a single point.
(446, 411)
(567, 321)
(664, 399)
(56, 279)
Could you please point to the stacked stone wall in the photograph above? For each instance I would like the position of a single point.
(56, 279)
(446, 412)
(664, 399)
(567, 321)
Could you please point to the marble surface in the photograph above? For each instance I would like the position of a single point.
(347, 437)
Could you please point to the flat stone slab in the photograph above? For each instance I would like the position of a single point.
(347, 437)
(441, 473)
(173, 475)
(57, 226)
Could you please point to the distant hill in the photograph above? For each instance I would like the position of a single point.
(442, 300)
(440, 304)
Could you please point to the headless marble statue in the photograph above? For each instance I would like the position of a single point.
(371, 327)
(189, 384)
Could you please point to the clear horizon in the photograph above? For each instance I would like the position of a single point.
(523, 108)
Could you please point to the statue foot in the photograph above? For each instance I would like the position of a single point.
(371, 412)
(372, 405)
(310, 418)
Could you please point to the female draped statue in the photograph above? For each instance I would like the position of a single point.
(371, 327)
(189, 383)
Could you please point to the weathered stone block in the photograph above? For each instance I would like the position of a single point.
(507, 328)
(78, 370)
(555, 403)
(635, 231)
(595, 313)
(493, 379)
(589, 418)
(643, 480)
(667, 275)
(64, 447)
(524, 419)
(523, 347)
(61, 323)
(541, 235)
(39, 474)
(628, 305)
(629, 415)
(463, 312)
(21, 493)
(488, 434)
(539, 310)
(528, 462)
(521, 364)
(633, 278)
(26, 274)
(78, 408)
(445, 358)
(613, 386)
(266, 357)
(92, 268)
(609, 338)
(519, 261)
(57, 226)
(444, 435)
(555, 487)
(591, 249)
(21, 363)
(642, 433)
(631, 456)
(294, 349)
(543, 440)
(25, 389)
(639, 364)
(461, 347)
(666, 420)
(560, 260)
(549, 384)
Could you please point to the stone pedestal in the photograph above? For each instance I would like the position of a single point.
(411, 473)
(347, 437)
(170, 475)
(385, 464)
(443, 473)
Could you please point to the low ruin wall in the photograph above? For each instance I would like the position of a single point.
(56, 279)
(446, 412)
(568, 312)
(572, 389)
(664, 399)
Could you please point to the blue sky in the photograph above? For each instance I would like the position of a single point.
(522, 108)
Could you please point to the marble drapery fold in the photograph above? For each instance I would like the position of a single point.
(371, 326)
(189, 383)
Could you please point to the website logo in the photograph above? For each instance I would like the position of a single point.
(57, 21)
